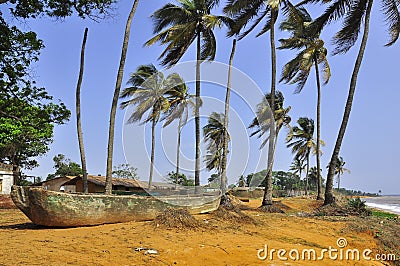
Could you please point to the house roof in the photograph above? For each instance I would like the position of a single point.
(53, 179)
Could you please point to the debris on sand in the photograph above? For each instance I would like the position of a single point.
(229, 211)
(176, 218)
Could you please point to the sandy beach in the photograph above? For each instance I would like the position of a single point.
(216, 242)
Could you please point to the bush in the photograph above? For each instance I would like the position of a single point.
(358, 206)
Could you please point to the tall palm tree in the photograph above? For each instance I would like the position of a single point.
(297, 168)
(178, 26)
(180, 102)
(120, 75)
(264, 123)
(78, 114)
(340, 170)
(214, 135)
(356, 14)
(296, 71)
(147, 94)
(224, 179)
(301, 140)
(242, 12)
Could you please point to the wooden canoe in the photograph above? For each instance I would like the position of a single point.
(58, 209)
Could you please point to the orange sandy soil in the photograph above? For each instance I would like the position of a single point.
(219, 243)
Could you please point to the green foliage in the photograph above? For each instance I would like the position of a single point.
(357, 205)
(125, 171)
(64, 167)
(182, 179)
(386, 215)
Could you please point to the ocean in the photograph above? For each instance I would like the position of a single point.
(388, 203)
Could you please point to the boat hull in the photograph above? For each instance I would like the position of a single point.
(57, 209)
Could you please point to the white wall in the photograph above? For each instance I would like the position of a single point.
(7, 178)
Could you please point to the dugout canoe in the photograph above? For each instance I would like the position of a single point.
(58, 209)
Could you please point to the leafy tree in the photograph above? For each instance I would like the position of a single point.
(114, 102)
(147, 95)
(177, 27)
(312, 53)
(264, 123)
(125, 170)
(297, 168)
(355, 15)
(182, 179)
(314, 178)
(64, 167)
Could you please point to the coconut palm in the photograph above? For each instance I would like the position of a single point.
(114, 103)
(224, 179)
(262, 125)
(180, 102)
(296, 71)
(214, 135)
(242, 12)
(177, 27)
(297, 168)
(356, 15)
(147, 95)
(301, 140)
(340, 169)
(78, 114)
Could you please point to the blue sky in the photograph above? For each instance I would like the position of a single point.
(370, 146)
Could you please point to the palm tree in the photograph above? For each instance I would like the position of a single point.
(178, 26)
(297, 70)
(301, 140)
(214, 135)
(180, 101)
(242, 12)
(340, 169)
(110, 146)
(356, 14)
(78, 114)
(224, 179)
(297, 168)
(262, 124)
(147, 94)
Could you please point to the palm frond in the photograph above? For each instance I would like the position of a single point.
(392, 19)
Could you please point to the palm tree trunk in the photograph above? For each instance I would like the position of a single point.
(338, 182)
(307, 170)
(300, 180)
(329, 198)
(110, 147)
(224, 178)
(153, 129)
(197, 117)
(267, 199)
(178, 149)
(319, 178)
(78, 114)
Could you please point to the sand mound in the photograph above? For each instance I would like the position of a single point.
(176, 218)
(229, 210)
(6, 202)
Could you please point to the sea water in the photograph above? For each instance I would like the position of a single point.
(388, 203)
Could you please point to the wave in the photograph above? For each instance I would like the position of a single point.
(391, 208)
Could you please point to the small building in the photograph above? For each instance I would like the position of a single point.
(57, 184)
(6, 178)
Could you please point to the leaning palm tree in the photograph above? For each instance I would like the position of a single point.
(296, 71)
(265, 122)
(147, 95)
(110, 146)
(242, 12)
(356, 14)
(301, 140)
(180, 102)
(340, 170)
(177, 27)
(78, 114)
(214, 135)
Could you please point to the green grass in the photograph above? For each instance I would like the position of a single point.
(382, 214)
